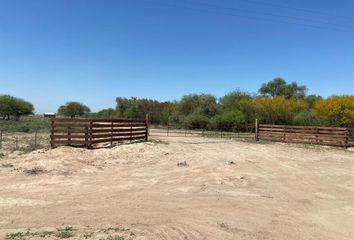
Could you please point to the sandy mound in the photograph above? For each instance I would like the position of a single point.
(68, 160)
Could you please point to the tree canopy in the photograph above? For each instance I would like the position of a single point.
(73, 109)
(337, 110)
(279, 87)
(16, 107)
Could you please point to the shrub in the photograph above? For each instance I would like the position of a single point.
(308, 118)
(228, 121)
(196, 121)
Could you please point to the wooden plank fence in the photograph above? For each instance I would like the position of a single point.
(86, 132)
(330, 136)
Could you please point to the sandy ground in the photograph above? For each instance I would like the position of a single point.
(137, 191)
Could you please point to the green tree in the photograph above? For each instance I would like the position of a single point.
(135, 108)
(196, 121)
(195, 110)
(106, 113)
(233, 100)
(239, 101)
(306, 117)
(279, 87)
(16, 107)
(73, 109)
(228, 121)
(312, 100)
(202, 104)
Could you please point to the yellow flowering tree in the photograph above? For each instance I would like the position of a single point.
(336, 110)
(278, 110)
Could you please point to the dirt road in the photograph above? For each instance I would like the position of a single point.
(137, 191)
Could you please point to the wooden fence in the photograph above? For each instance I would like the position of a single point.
(330, 136)
(86, 132)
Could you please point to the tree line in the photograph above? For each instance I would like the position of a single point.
(277, 102)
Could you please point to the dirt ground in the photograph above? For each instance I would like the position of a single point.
(137, 191)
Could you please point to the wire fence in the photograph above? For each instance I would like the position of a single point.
(26, 142)
(177, 131)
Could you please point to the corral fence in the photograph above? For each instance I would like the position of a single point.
(87, 132)
(330, 136)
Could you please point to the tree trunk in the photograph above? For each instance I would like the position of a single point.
(6, 117)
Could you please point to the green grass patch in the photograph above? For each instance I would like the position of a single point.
(28, 235)
(114, 238)
(26, 124)
(66, 232)
(16, 236)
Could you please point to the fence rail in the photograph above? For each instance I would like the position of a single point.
(330, 136)
(86, 132)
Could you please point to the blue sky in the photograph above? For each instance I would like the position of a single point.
(93, 51)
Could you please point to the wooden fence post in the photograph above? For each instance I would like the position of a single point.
(317, 134)
(111, 133)
(131, 131)
(16, 142)
(289, 129)
(146, 127)
(0, 138)
(69, 138)
(346, 143)
(86, 137)
(35, 140)
(90, 135)
(168, 129)
(52, 144)
(257, 130)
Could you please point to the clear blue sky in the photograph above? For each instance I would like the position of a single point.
(93, 51)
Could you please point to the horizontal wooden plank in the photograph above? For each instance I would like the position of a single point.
(117, 121)
(302, 135)
(77, 130)
(63, 136)
(301, 130)
(68, 142)
(306, 133)
(304, 138)
(95, 125)
(68, 125)
(117, 130)
(118, 134)
(327, 143)
(95, 120)
(103, 130)
(117, 139)
(301, 127)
